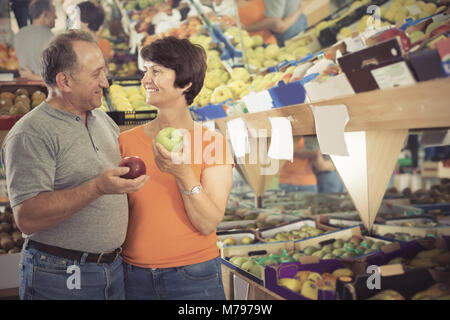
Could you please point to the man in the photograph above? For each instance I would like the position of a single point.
(31, 40)
(20, 9)
(65, 189)
(285, 19)
(91, 19)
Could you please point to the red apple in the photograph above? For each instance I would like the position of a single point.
(392, 33)
(136, 165)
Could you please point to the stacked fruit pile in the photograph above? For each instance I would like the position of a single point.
(19, 103)
(423, 259)
(308, 283)
(10, 237)
(8, 59)
(353, 247)
(294, 235)
(129, 98)
(398, 10)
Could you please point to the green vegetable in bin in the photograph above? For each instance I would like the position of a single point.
(364, 244)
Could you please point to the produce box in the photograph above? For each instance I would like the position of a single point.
(417, 222)
(347, 244)
(400, 233)
(306, 291)
(389, 210)
(293, 229)
(394, 284)
(232, 238)
(435, 169)
(253, 250)
(9, 99)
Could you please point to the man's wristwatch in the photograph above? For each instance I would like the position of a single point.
(194, 190)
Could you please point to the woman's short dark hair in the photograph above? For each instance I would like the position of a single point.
(91, 14)
(59, 55)
(186, 59)
(37, 7)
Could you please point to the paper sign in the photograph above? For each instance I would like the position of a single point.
(260, 101)
(238, 133)
(330, 122)
(393, 75)
(282, 144)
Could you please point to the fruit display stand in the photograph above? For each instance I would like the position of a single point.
(384, 115)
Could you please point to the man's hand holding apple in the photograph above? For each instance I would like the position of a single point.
(111, 182)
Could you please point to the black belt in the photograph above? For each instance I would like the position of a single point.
(74, 254)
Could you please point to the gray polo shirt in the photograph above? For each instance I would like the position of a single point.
(49, 149)
(29, 42)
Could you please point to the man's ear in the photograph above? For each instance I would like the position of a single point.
(64, 82)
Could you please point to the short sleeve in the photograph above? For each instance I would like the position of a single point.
(274, 8)
(30, 167)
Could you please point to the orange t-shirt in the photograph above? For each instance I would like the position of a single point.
(160, 234)
(106, 48)
(299, 172)
(252, 12)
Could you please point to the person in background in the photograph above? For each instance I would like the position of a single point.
(250, 13)
(64, 184)
(31, 40)
(20, 9)
(91, 19)
(299, 175)
(171, 247)
(284, 19)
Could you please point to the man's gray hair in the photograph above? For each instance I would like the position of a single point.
(59, 55)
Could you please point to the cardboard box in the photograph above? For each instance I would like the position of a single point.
(253, 250)
(426, 64)
(378, 67)
(236, 235)
(291, 226)
(395, 277)
(273, 273)
(435, 169)
(9, 274)
(407, 284)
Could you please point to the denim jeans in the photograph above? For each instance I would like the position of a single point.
(200, 281)
(329, 182)
(302, 188)
(47, 277)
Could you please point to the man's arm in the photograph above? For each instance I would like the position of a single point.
(50, 208)
(284, 24)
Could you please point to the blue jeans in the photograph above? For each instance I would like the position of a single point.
(200, 281)
(299, 25)
(329, 182)
(293, 188)
(46, 277)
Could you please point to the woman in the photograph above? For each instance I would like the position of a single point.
(170, 251)
(251, 12)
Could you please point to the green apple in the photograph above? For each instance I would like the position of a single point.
(257, 40)
(220, 94)
(246, 240)
(229, 242)
(170, 138)
(271, 51)
(211, 81)
(240, 74)
(237, 87)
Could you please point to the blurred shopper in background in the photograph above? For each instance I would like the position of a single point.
(92, 17)
(31, 40)
(20, 9)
